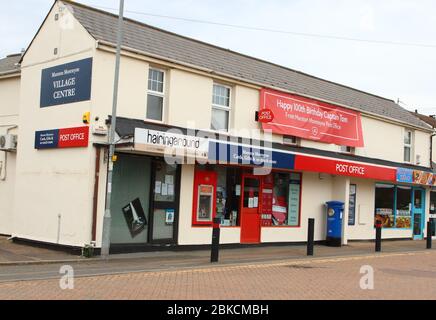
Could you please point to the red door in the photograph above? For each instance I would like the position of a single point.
(250, 217)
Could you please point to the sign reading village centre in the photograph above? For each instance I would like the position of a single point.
(66, 83)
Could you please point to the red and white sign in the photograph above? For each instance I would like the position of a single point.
(311, 119)
(73, 137)
(266, 115)
(344, 168)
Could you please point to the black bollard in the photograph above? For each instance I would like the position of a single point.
(378, 236)
(310, 236)
(429, 233)
(215, 240)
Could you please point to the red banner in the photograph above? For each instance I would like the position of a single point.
(73, 137)
(311, 119)
(344, 168)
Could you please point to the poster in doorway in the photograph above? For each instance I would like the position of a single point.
(135, 217)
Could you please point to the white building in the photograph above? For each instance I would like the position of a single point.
(329, 142)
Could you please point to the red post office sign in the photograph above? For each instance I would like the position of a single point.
(311, 119)
(73, 137)
(62, 138)
(345, 168)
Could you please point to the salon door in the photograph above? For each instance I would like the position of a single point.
(250, 217)
(418, 213)
(165, 203)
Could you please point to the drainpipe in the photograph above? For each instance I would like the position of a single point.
(3, 176)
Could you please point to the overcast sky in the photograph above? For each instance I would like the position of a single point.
(391, 71)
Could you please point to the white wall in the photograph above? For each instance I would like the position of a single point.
(53, 190)
(9, 105)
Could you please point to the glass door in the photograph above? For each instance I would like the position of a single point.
(418, 213)
(165, 202)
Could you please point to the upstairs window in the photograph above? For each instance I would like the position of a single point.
(220, 108)
(408, 146)
(155, 97)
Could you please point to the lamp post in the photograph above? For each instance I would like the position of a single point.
(107, 213)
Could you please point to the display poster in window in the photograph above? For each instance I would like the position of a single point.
(135, 217)
(386, 216)
(352, 206)
(294, 204)
(169, 216)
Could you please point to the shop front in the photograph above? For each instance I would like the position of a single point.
(261, 192)
(401, 207)
(246, 201)
(145, 202)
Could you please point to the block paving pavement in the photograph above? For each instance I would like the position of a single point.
(407, 275)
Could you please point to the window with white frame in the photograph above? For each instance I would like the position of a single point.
(408, 137)
(220, 108)
(155, 96)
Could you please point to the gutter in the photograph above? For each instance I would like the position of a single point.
(259, 85)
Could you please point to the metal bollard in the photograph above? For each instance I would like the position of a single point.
(378, 236)
(310, 236)
(215, 240)
(429, 233)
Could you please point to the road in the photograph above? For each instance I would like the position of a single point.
(409, 275)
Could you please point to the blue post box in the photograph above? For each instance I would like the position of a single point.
(335, 210)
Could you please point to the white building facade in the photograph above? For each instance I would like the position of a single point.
(192, 135)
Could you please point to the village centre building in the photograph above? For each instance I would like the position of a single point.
(202, 132)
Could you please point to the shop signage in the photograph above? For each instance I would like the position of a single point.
(168, 142)
(344, 168)
(310, 119)
(265, 116)
(249, 155)
(62, 138)
(66, 83)
(416, 176)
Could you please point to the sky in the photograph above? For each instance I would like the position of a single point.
(407, 73)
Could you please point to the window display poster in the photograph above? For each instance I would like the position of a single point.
(255, 202)
(135, 217)
(170, 189)
(294, 205)
(238, 190)
(169, 216)
(251, 202)
(158, 187)
(164, 189)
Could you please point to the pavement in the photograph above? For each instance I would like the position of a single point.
(12, 254)
(403, 270)
(394, 275)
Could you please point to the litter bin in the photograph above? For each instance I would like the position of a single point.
(335, 211)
